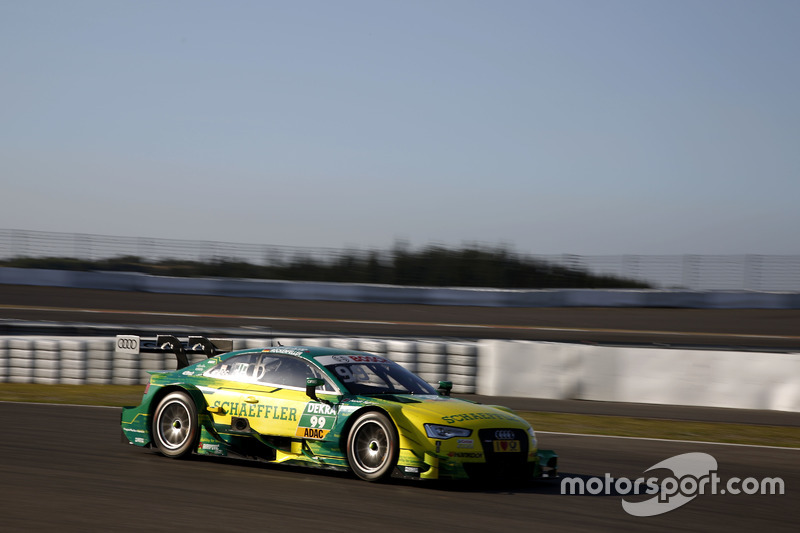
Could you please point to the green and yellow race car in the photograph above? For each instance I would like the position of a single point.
(327, 408)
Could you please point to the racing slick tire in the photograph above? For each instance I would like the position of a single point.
(175, 427)
(372, 447)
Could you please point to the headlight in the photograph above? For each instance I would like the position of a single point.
(533, 436)
(436, 431)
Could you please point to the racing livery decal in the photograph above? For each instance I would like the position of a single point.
(317, 420)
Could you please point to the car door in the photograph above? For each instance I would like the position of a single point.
(269, 391)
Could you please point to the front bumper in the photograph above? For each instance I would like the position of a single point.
(476, 465)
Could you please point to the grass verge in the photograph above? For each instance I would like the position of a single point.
(119, 395)
(110, 395)
(784, 436)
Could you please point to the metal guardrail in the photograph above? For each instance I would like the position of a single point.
(779, 273)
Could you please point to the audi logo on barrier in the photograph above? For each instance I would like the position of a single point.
(504, 434)
(127, 344)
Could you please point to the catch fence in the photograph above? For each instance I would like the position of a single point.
(778, 273)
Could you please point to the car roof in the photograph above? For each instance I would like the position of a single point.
(307, 352)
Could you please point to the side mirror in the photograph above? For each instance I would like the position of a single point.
(311, 387)
(445, 387)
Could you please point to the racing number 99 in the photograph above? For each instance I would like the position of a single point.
(349, 376)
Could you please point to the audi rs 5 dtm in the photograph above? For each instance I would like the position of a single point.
(326, 408)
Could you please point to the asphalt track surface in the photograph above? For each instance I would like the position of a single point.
(64, 468)
(145, 312)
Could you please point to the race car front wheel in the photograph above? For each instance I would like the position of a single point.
(175, 428)
(372, 447)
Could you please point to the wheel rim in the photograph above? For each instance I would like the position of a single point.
(174, 425)
(370, 447)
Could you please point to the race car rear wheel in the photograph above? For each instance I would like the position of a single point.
(372, 447)
(175, 428)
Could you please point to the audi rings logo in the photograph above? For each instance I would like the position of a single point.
(504, 434)
(128, 344)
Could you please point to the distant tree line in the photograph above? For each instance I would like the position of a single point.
(431, 266)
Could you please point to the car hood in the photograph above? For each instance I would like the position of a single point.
(453, 412)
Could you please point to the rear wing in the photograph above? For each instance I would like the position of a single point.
(133, 344)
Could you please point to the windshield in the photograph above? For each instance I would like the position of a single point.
(370, 374)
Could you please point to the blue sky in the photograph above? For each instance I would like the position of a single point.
(586, 127)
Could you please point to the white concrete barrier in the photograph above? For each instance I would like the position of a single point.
(745, 380)
(529, 369)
